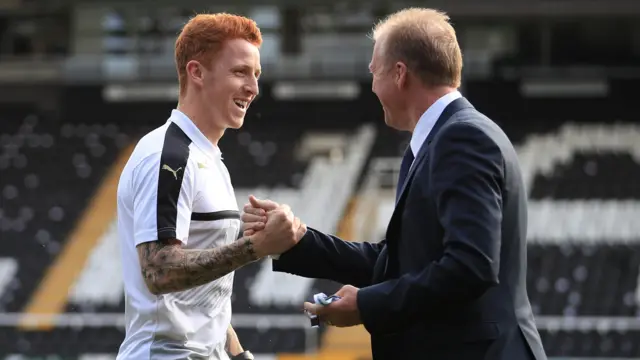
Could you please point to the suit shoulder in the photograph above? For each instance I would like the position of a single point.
(472, 117)
(470, 124)
(477, 123)
(467, 123)
(471, 131)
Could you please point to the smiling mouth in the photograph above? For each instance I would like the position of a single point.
(241, 104)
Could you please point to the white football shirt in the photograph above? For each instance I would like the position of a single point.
(175, 185)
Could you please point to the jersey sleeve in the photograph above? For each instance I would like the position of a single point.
(163, 188)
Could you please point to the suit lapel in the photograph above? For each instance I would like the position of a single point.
(449, 111)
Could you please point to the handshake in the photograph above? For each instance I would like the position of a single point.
(272, 227)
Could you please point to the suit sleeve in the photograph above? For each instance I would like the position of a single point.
(323, 256)
(467, 176)
(162, 199)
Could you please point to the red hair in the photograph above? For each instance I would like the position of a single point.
(202, 37)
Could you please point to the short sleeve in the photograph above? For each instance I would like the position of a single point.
(163, 191)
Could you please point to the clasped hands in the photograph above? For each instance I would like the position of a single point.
(274, 230)
(272, 227)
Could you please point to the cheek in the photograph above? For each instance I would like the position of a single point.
(218, 89)
(376, 87)
(212, 88)
(383, 94)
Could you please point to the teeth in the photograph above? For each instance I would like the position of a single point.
(241, 104)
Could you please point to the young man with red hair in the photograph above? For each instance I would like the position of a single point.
(178, 219)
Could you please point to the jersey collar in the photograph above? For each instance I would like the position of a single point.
(192, 131)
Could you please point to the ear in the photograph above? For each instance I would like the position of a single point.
(195, 72)
(400, 74)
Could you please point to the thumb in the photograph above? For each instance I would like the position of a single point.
(262, 204)
(301, 229)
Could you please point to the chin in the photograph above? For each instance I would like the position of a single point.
(392, 124)
(235, 123)
(388, 120)
(387, 117)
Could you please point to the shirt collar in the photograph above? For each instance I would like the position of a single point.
(428, 120)
(192, 131)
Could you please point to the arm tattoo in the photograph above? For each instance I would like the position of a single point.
(167, 267)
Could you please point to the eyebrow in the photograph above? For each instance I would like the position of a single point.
(247, 67)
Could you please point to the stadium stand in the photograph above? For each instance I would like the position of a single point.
(38, 156)
(67, 125)
(584, 248)
(586, 263)
(49, 173)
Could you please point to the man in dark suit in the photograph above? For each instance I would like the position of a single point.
(448, 282)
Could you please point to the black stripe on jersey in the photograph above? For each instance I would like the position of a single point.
(216, 215)
(173, 164)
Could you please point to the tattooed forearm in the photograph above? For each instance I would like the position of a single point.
(167, 267)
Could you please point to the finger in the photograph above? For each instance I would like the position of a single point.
(342, 291)
(251, 218)
(279, 215)
(285, 208)
(313, 308)
(286, 211)
(248, 232)
(249, 209)
(255, 226)
(262, 204)
(347, 290)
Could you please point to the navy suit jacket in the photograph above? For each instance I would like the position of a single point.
(449, 280)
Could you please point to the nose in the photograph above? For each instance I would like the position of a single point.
(252, 87)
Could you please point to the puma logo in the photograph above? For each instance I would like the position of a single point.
(169, 169)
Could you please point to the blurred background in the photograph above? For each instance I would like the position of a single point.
(82, 80)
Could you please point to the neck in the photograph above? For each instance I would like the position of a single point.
(421, 100)
(202, 117)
